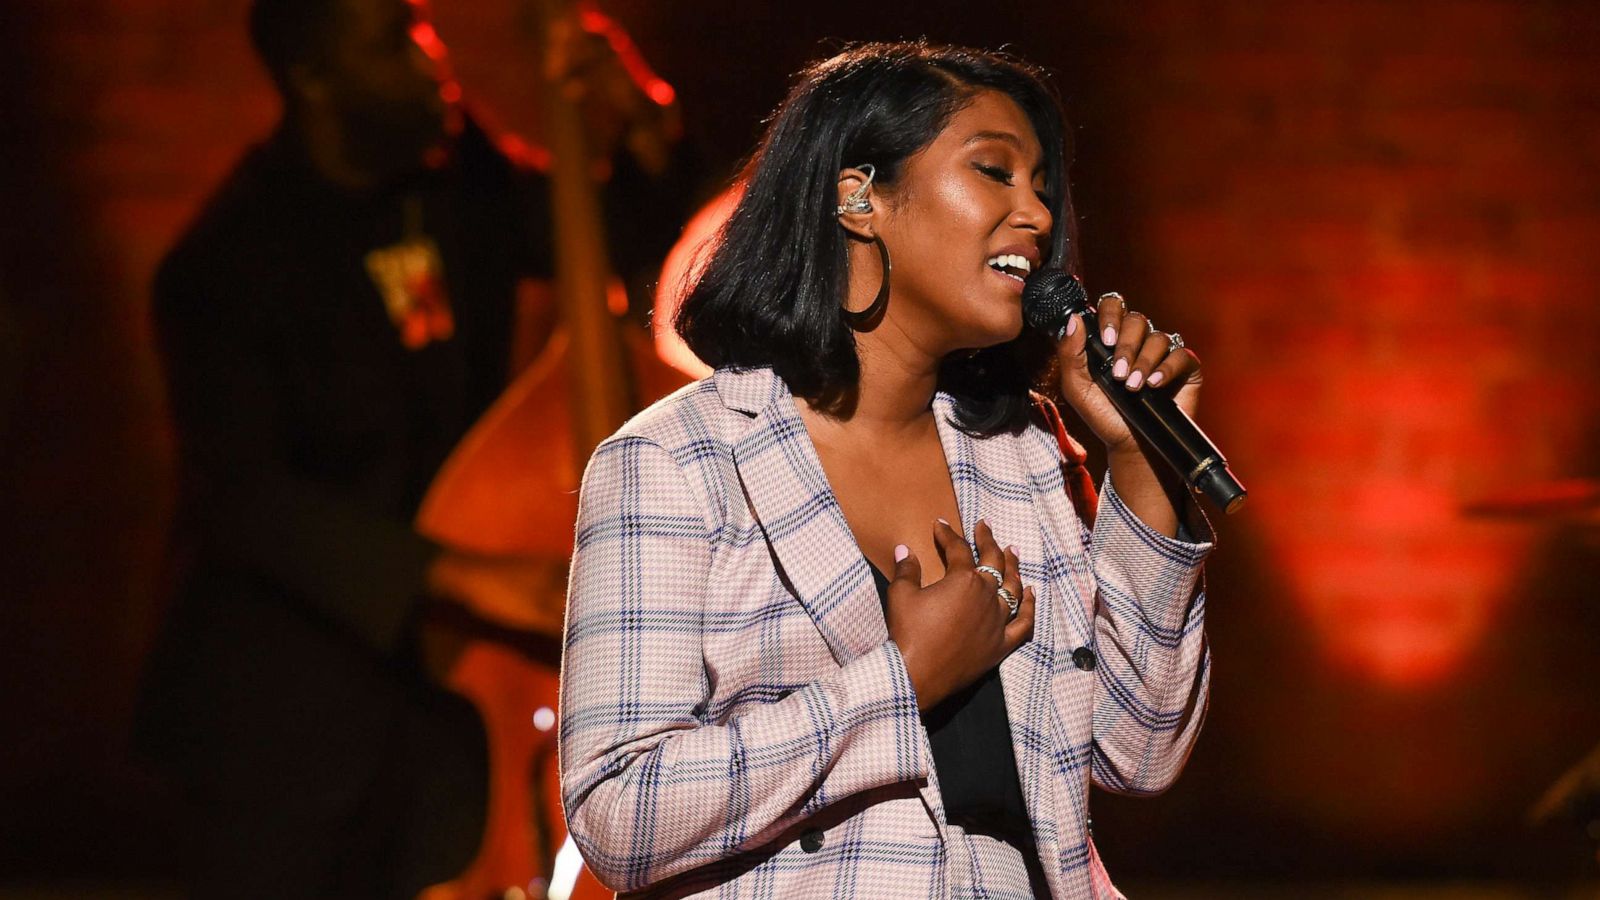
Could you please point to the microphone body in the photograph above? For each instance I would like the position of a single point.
(1049, 298)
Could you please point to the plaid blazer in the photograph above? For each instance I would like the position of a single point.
(735, 721)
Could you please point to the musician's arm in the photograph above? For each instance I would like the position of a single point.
(249, 510)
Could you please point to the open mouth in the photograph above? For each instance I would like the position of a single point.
(1011, 265)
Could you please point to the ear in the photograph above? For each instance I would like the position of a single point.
(859, 224)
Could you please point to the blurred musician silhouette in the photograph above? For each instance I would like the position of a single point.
(331, 325)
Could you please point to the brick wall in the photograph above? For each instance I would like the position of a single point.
(1375, 220)
(119, 116)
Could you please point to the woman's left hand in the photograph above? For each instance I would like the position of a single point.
(1142, 361)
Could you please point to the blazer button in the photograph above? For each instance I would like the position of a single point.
(1084, 659)
(811, 840)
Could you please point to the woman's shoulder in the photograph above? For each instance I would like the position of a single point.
(678, 418)
(703, 419)
(686, 439)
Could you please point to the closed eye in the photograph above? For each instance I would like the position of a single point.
(1004, 176)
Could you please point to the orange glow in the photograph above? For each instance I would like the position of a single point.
(682, 267)
(425, 37)
(661, 92)
(616, 298)
(1398, 586)
(633, 62)
(1373, 461)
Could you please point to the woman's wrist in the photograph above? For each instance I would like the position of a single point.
(1148, 489)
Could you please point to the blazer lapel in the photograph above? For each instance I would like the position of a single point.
(789, 495)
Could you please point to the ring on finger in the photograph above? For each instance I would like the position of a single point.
(1174, 342)
(999, 579)
(1012, 602)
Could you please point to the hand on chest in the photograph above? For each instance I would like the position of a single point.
(891, 495)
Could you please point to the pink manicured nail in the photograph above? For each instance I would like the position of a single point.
(1072, 325)
(1120, 369)
(1157, 377)
(943, 522)
(1110, 337)
(1134, 380)
(901, 551)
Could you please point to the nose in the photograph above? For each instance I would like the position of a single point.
(1031, 214)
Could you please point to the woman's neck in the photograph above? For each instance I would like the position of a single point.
(894, 394)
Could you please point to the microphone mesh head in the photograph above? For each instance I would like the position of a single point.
(1048, 297)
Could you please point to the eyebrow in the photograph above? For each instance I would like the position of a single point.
(1002, 136)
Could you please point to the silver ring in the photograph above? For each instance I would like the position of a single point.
(1174, 342)
(1109, 295)
(999, 579)
(1012, 603)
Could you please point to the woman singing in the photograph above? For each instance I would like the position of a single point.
(836, 627)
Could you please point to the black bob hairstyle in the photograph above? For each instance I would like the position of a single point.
(770, 293)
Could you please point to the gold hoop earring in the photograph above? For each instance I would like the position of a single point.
(866, 319)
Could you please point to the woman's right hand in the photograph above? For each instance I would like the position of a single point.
(953, 631)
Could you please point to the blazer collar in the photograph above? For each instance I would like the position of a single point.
(1009, 482)
(749, 390)
(783, 481)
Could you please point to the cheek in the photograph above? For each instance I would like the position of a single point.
(949, 234)
(964, 214)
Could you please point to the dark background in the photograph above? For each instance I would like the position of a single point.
(1376, 221)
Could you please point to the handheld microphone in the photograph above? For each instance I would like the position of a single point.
(1048, 299)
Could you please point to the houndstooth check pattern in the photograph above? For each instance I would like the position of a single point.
(729, 688)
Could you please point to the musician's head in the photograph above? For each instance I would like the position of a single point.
(969, 163)
(373, 71)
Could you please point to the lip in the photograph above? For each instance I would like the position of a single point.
(1012, 284)
(1026, 250)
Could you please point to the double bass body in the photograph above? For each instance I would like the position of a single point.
(511, 488)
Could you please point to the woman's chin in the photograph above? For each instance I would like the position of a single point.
(991, 338)
(1003, 330)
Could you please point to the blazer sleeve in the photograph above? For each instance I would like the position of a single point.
(1153, 668)
(651, 787)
